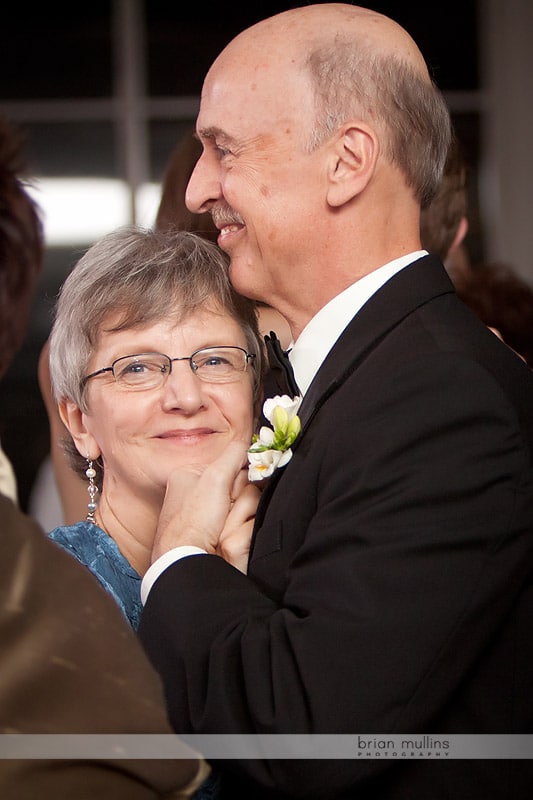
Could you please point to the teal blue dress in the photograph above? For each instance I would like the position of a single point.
(94, 548)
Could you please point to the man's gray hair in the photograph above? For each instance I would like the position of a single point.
(409, 111)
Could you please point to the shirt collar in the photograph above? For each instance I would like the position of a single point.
(323, 330)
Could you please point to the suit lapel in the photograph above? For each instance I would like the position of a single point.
(409, 289)
(400, 296)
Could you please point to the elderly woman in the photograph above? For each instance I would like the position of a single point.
(155, 364)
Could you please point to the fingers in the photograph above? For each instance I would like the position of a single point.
(245, 505)
(234, 546)
(235, 538)
(240, 483)
(197, 502)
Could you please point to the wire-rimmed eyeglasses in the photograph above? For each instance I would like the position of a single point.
(221, 364)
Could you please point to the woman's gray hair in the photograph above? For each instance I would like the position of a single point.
(141, 276)
(410, 112)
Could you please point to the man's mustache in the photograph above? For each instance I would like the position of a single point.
(225, 215)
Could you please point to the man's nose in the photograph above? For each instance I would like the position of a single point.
(203, 189)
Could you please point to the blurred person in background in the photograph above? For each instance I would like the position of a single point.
(494, 291)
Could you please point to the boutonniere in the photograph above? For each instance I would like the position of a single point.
(271, 447)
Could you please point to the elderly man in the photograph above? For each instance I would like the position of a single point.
(389, 583)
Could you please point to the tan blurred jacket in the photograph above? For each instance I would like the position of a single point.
(69, 663)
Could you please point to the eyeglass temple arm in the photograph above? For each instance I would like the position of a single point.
(98, 372)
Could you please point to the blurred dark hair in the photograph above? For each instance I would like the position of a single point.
(439, 221)
(21, 245)
(503, 301)
(172, 212)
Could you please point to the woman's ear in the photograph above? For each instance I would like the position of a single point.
(462, 230)
(73, 418)
(352, 162)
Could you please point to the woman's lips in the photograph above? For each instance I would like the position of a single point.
(186, 434)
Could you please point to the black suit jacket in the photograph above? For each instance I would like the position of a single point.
(69, 663)
(389, 585)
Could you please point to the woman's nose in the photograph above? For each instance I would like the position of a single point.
(203, 189)
(183, 390)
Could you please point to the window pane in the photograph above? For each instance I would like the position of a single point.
(164, 136)
(49, 50)
(182, 42)
(71, 149)
(447, 35)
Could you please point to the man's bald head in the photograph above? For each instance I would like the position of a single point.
(308, 27)
(339, 63)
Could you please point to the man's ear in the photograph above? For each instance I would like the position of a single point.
(73, 418)
(352, 162)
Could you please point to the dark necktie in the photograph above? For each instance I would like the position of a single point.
(281, 366)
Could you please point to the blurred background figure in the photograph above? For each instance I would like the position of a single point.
(495, 292)
(172, 211)
(444, 222)
(504, 301)
(21, 255)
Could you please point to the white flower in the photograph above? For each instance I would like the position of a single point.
(290, 404)
(265, 438)
(270, 449)
(262, 464)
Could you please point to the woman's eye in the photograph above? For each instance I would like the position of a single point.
(138, 368)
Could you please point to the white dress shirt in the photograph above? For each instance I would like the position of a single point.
(306, 356)
(322, 331)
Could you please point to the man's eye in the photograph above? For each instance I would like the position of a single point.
(223, 152)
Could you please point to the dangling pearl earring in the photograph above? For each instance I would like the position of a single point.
(93, 491)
